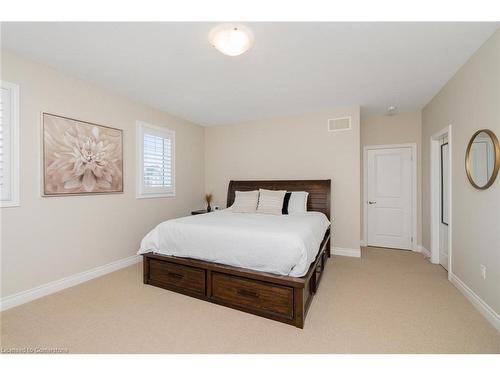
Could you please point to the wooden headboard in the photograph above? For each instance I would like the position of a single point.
(319, 191)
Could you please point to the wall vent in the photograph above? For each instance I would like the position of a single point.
(339, 124)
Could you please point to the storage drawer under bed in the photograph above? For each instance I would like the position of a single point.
(266, 298)
(177, 277)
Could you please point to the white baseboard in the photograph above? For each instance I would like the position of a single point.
(55, 286)
(346, 252)
(476, 301)
(362, 243)
(424, 251)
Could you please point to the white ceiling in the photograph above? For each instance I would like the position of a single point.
(292, 68)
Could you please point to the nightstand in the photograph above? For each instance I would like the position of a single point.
(198, 212)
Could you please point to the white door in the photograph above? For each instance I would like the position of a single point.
(445, 203)
(389, 195)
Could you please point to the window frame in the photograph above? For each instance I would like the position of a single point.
(14, 146)
(141, 191)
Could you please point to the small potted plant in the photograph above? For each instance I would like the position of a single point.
(208, 199)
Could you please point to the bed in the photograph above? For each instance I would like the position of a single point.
(267, 265)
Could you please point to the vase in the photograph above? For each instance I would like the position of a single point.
(209, 209)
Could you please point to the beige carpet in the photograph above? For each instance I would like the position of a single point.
(388, 301)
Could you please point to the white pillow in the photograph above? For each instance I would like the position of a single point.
(245, 201)
(298, 202)
(271, 201)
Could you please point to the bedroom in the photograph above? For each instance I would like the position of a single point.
(113, 146)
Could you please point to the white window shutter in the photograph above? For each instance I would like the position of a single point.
(9, 145)
(156, 161)
(5, 181)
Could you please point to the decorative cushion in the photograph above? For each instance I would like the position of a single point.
(271, 201)
(245, 201)
(284, 210)
(298, 202)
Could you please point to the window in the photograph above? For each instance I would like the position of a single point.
(155, 161)
(9, 145)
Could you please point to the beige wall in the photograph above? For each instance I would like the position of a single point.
(469, 101)
(46, 239)
(298, 147)
(405, 127)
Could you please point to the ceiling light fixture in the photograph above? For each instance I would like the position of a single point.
(231, 39)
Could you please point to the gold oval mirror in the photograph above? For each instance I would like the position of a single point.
(482, 159)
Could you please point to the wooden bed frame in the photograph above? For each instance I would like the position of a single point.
(282, 298)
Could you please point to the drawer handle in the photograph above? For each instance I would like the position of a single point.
(175, 275)
(247, 293)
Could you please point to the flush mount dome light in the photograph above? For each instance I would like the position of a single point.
(230, 39)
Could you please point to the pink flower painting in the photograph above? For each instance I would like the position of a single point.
(80, 157)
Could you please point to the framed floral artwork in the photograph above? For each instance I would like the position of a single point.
(80, 157)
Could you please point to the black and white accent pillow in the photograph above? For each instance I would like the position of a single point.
(295, 202)
(286, 200)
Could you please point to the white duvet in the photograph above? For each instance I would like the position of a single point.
(280, 244)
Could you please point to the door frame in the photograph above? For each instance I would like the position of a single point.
(413, 193)
(435, 201)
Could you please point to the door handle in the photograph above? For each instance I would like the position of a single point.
(372, 202)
